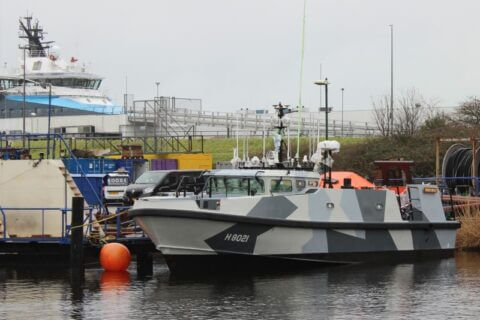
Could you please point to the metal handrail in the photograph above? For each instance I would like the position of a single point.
(4, 222)
(63, 237)
(66, 228)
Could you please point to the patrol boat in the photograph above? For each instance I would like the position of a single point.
(285, 216)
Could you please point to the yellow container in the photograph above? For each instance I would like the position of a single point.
(114, 156)
(184, 160)
(190, 160)
(150, 156)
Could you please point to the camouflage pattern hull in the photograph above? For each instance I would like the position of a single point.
(324, 227)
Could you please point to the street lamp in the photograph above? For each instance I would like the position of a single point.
(158, 84)
(44, 86)
(342, 110)
(32, 115)
(49, 115)
(326, 109)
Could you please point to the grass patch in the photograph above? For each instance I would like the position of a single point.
(468, 236)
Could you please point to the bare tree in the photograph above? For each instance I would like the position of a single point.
(409, 115)
(469, 112)
(381, 114)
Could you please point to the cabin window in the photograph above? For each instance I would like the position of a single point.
(281, 185)
(216, 186)
(257, 186)
(313, 183)
(237, 186)
(233, 186)
(300, 184)
(37, 65)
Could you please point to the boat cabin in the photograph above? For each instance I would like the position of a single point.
(240, 183)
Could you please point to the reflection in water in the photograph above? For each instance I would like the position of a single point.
(434, 289)
(114, 280)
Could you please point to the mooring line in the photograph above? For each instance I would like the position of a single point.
(98, 221)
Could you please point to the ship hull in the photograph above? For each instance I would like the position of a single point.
(194, 241)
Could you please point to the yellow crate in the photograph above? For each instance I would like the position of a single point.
(184, 160)
(190, 160)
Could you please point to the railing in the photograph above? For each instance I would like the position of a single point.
(4, 223)
(120, 232)
(160, 113)
(42, 236)
(150, 143)
(127, 228)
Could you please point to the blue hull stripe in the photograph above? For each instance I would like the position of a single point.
(68, 103)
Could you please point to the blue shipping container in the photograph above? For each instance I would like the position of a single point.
(92, 192)
(101, 166)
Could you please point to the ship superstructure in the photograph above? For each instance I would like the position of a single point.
(74, 91)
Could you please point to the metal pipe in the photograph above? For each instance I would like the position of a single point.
(391, 79)
(49, 118)
(24, 93)
(326, 109)
(342, 110)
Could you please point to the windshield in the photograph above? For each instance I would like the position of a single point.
(151, 177)
(233, 186)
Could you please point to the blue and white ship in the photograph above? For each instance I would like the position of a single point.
(74, 90)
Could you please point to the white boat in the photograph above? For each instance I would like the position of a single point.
(75, 91)
(247, 219)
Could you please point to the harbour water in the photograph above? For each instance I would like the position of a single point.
(440, 289)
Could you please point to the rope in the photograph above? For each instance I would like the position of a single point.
(98, 221)
(301, 80)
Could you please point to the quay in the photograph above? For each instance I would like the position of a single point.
(68, 250)
(52, 209)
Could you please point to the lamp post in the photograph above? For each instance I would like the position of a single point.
(326, 109)
(325, 83)
(342, 110)
(24, 93)
(391, 79)
(32, 116)
(44, 86)
(158, 84)
(49, 115)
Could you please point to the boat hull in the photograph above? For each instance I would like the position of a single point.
(238, 263)
(199, 242)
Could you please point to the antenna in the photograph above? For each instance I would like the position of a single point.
(243, 133)
(236, 116)
(288, 143)
(263, 158)
(248, 135)
(297, 156)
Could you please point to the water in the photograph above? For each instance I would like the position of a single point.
(440, 289)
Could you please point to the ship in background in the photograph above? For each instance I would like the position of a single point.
(80, 108)
(74, 90)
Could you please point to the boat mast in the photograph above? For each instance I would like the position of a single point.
(34, 33)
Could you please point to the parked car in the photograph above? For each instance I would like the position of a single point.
(163, 183)
(114, 186)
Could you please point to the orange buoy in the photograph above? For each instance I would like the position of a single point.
(115, 257)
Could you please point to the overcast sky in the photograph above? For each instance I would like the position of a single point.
(246, 53)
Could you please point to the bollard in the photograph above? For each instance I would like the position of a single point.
(144, 263)
(76, 240)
